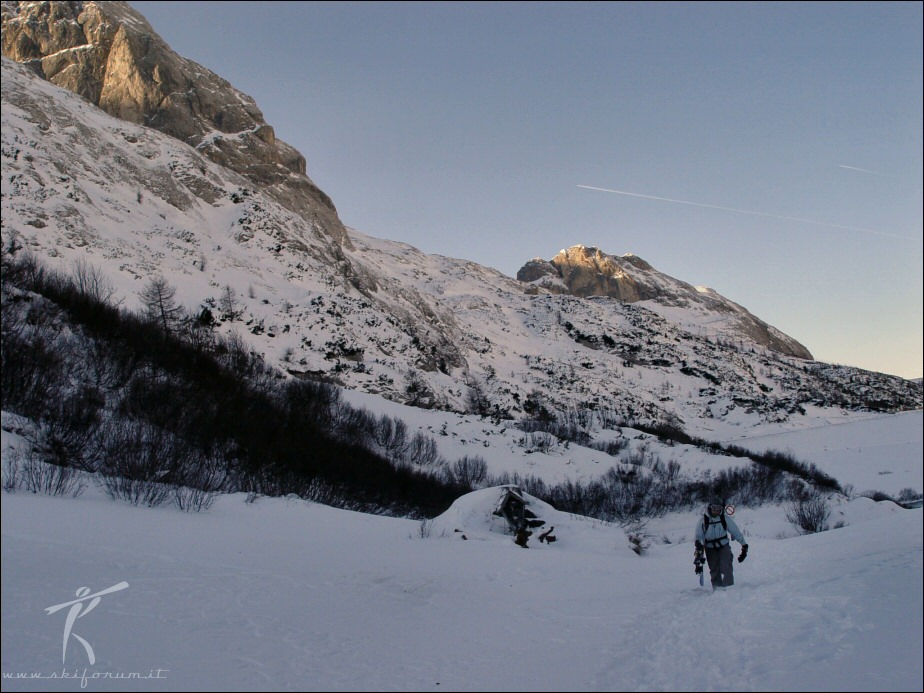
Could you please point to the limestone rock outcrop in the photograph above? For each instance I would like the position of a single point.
(109, 54)
(587, 271)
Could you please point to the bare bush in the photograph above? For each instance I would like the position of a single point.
(30, 472)
(423, 451)
(809, 513)
(538, 441)
(627, 495)
(91, 282)
(425, 528)
(611, 447)
(356, 425)
(139, 462)
(877, 496)
(468, 471)
(754, 483)
(610, 419)
(12, 471)
(565, 430)
(67, 433)
(390, 435)
(258, 482)
(338, 495)
(192, 499)
(323, 492)
(33, 372)
(578, 418)
(135, 491)
(103, 365)
(199, 482)
(234, 352)
(309, 403)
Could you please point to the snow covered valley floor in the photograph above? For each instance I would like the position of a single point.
(282, 594)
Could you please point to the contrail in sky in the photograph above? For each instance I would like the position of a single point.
(861, 170)
(748, 211)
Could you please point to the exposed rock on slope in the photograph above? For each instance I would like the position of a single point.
(586, 271)
(110, 55)
(80, 185)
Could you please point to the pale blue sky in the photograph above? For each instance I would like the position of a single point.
(465, 130)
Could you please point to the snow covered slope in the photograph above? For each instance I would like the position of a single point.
(286, 595)
(373, 315)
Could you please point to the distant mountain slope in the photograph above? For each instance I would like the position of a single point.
(375, 315)
(586, 271)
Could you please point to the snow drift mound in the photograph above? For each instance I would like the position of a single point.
(492, 514)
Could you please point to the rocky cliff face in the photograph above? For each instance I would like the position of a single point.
(110, 55)
(587, 271)
(81, 185)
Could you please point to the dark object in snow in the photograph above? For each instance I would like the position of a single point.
(512, 507)
(699, 559)
(522, 537)
(547, 537)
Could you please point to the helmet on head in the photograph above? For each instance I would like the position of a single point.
(716, 506)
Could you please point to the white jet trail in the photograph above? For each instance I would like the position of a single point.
(862, 170)
(748, 211)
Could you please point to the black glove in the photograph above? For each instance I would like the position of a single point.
(744, 553)
(698, 569)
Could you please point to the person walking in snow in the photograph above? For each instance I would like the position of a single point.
(712, 534)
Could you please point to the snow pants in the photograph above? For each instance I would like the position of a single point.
(720, 566)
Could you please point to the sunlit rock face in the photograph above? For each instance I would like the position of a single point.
(110, 55)
(587, 271)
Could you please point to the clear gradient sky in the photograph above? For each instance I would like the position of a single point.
(466, 129)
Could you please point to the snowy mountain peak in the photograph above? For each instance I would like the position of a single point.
(109, 54)
(586, 271)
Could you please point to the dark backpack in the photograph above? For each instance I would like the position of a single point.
(706, 526)
(706, 522)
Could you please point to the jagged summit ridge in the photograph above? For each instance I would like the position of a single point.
(588, 271)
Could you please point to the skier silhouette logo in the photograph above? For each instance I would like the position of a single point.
(80, 609)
